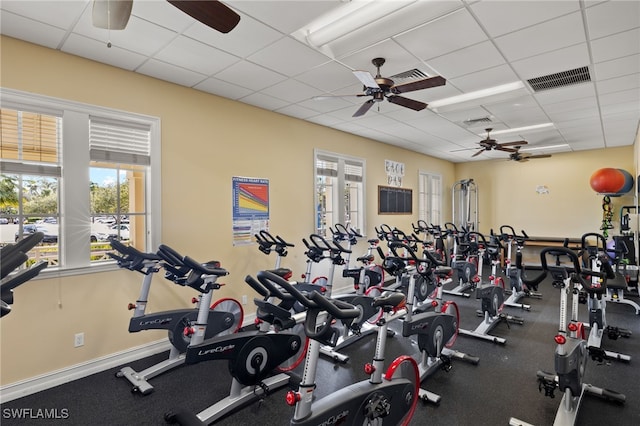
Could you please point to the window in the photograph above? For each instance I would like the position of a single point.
(81, 174)
(339, 192)
(430, 198)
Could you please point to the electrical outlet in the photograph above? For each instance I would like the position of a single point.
(78, 340)
(244, 299)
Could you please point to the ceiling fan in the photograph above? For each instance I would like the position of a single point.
(380, 88)
(521, 158)
(489, 144)
(114, 14)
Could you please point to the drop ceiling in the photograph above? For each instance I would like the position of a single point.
(474, 45)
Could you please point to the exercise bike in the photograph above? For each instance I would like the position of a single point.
(519, 286)
(596, 258)
(252, 356)
(184, 326)
(388, 398)
(571, 351)
(491, 294)
(13, 256)
(437, 330)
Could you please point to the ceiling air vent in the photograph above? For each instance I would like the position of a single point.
(414, 74)
(560, 79)
(476, 121)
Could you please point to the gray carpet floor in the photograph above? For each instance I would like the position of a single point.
(501, 386)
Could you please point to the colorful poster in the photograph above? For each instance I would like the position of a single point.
(250, 208)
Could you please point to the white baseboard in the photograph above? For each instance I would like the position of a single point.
(65, 375)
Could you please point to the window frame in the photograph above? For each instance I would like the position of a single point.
(426, 197)
(339, 209)
(74, 204)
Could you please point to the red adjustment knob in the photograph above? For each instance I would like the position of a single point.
(189, 331)
(356, 286)
(507, 262)
(572, 326)
(131, 306)
(369, 368)
(560, 339)
(292, 398)
(476, 279)
(434, 303)
(323, 290)
(194, 300)
(491, 277)
(303, 276)
(257, 321)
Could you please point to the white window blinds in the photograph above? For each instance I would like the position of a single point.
(119, 142)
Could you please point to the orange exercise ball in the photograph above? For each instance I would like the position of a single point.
(607, 180)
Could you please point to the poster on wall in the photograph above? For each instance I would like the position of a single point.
(250, 208)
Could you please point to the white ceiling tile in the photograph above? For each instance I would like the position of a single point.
(521, 13)
(623, 96)
(324, 120)
(439, 37)
(545, 37)
(32, 31)
(328, 77)
(325, 105)
(139, 36)
(61, 14)
(162, 13)
(188, 53)
(405, 19)
(561, 94)
(297, 111)
(397, 59)
(285, 16)
(292, 91)
(565, 115)
(560, 60)
(264, 101)
(626, 15)
(467, 61)
(616, 46)
(248, 37)
(251, 76)
(626, 82)
(171, 73)
(617, 67)
(288, 56)
(222, 88)
(485, 78)
(97, 51)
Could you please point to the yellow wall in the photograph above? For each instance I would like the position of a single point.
(206, 140)
(507, 192)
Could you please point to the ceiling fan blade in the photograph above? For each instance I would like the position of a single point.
(212, 13)
(505, 149)
(111, 14)
(515, 143)
(408, 103)
(539, 156)
(364, 108)
(425, 83)
(323, 97)
(366, 78)
(478, 153)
